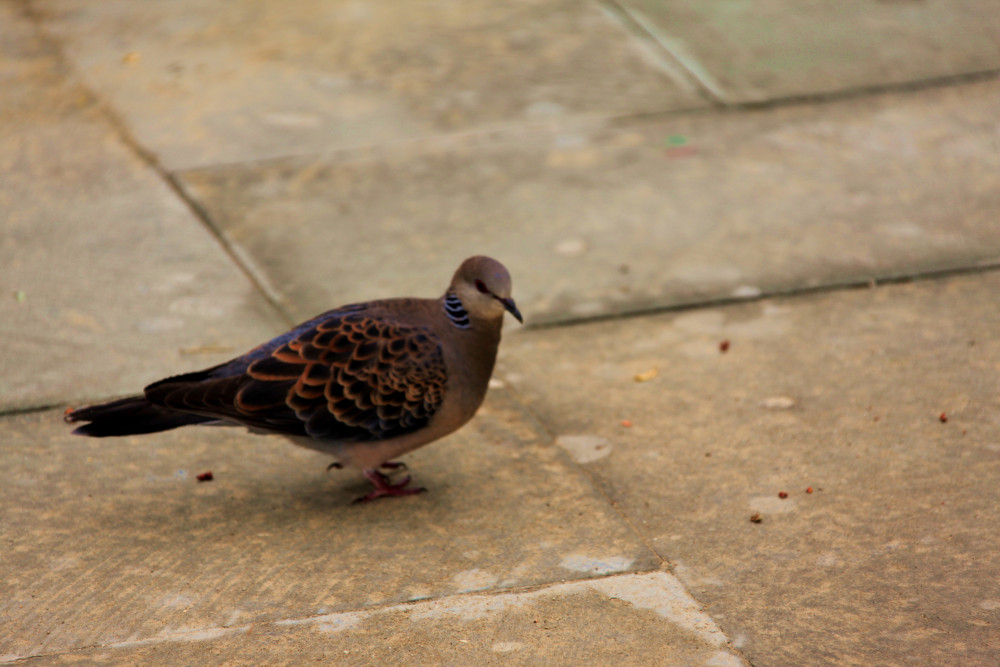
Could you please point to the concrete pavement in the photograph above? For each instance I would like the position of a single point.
(690, 198)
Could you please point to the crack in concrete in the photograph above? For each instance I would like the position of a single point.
(118, 124)
(636, 23)
(765, 295)
(657, 591)
(639, 26)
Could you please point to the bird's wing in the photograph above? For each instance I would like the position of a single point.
(349, 375)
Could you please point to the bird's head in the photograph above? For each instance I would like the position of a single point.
(484, 287)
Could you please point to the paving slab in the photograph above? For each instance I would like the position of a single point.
(751, 51)
(113, 540)
(890, 558)
(605, 219)
(108, 281)
(626, 619)
(229, 82)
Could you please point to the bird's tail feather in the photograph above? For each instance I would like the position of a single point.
(129, 416)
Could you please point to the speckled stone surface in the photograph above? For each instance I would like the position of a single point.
(598, 509)
(890, 559)
(107, 281)
(596, 221)
(751, 51)
(634, 619)
(210, 83)
(113, 540)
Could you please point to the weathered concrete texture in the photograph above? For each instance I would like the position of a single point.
(606, 220)
(108, 281)
(226, 82)
(627, 619)
(750, 51)
(891, 558)
(113, 540)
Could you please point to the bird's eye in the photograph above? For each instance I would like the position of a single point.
(481, 286)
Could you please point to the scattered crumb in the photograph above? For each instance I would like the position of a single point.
(782, 494)
(943, 417)
(755, 517)
(19, 296)
(647, 376)
(724, 346)
(131, 57)
(206, 476)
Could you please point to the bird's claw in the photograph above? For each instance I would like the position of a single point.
(383, 487)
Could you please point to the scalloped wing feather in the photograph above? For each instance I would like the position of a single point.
(349, 376)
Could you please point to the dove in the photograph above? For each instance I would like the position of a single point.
(365, 383)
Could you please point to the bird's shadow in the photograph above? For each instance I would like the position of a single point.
(266, 500)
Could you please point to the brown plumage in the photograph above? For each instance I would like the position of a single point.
(366, 382)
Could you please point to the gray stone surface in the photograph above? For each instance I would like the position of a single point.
(751, 51)
(597, 220)
(890, 560)
(113, 540)
(248, 80)
(108, 282)
(626, 619)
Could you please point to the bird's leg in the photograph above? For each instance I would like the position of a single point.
(384, 488)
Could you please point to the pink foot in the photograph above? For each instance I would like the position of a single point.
(384, 488)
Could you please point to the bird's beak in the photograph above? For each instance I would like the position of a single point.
(508, 303)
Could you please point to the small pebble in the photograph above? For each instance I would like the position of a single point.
(778, 403)
(570, 247)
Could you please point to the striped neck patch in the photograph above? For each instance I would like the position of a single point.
(455, 311)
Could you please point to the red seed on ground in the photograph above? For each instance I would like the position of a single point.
(626, 423)
(724, 346)
(782, 495)
(205, 476)
(943, 417)
(809, 489)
